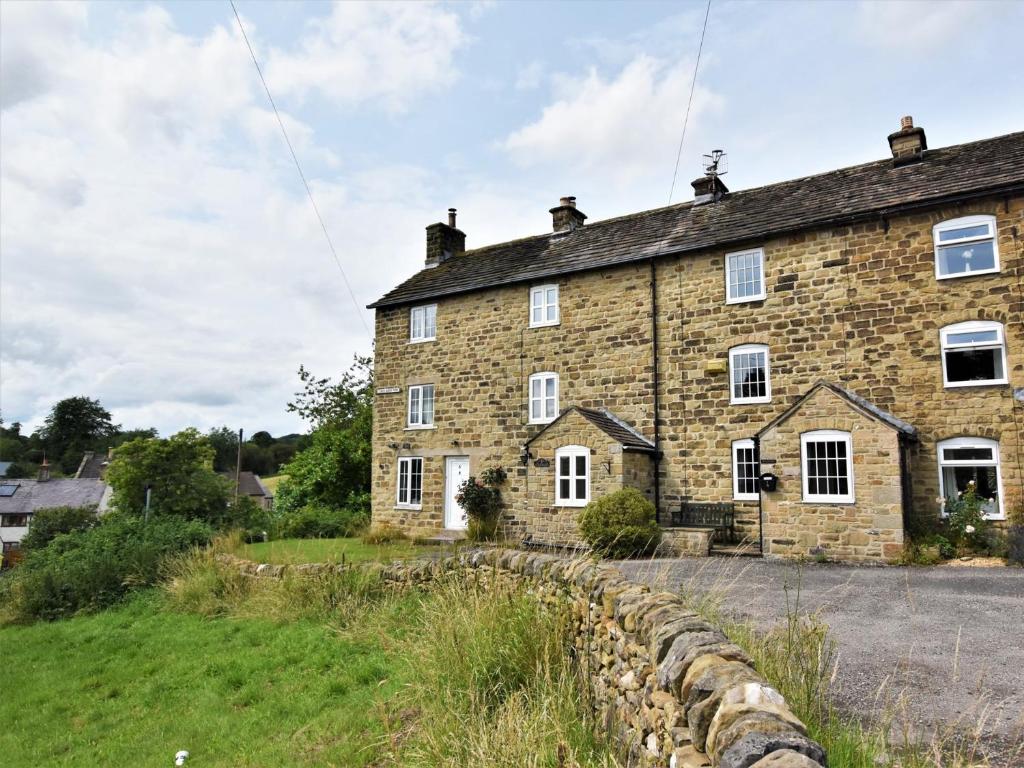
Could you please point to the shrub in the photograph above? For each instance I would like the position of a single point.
(621, 524)
(318, 522)
(49, 523)
(95, 568)
(965, 519)
(481, 499)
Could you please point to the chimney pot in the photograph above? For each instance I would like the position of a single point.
(565, 217)
(451, 218)
(44, 471)
(908, 143)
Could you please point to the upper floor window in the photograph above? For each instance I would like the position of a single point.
(572, 476)
(965, 246)
(973, 354)
(410, 481)
(744, 276)
(749, 377)
(544, 305)
(421, 405)
(827, 459)
(423, 323)
(966, 462)
(543, 397)
(745, 471)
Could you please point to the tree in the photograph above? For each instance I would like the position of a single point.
(224, 442)
(263, 439)
(334, 470)
(75, 425)
(178, 469)
(48, 523)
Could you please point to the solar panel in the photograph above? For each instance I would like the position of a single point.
(8, 490)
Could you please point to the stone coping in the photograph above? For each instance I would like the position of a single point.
(669, 687)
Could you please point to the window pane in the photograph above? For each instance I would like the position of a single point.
(955, 480)
(549, 387)
(414, 405)
(563, 465)
(967, 454)
(537, 298)
(563, 488)
(552, 295)
(427, 416)
(977, 230)
(970, 257)
(403, 482)
(973, 337)
(537, 316)
(552, 312)
(749, 375)
(534, 409)
(430, 324)
(535, 389)
(549, 408)
(581, 488)
(417, 324)
(581, 465)
(973, 365)
(416, 481)
(744, 274)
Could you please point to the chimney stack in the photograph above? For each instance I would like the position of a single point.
(708, 189)
(444, 241)
(44, 471)
(565, 217)
(908, 143)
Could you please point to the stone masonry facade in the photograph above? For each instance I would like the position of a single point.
(857, 304)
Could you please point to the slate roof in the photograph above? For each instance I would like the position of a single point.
(62, 492)
(621, 432)
(93, 465)
(844, 196)
(248, 483)
(859, 403)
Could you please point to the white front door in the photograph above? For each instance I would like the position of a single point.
(456, 471)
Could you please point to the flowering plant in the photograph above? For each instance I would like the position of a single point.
(965, 518)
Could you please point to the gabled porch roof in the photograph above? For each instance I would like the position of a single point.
(617, 429)
(855, 401)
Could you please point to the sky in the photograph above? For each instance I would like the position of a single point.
(157, 247)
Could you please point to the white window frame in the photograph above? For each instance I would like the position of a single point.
(971, 442)
(405, 464)
(827, 435)
(425, 311)
(572, 452)
(737, 446)
(543, 377)
(541, 291)
(966, 221)
(967, 327)
(418, 423)
(744, 349)
(729, 298)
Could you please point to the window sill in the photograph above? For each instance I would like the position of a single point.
(749, 497)
(571, 504)
(751, 401)
(963, 384)
(422, 341)
(746, 299)
(409, 507)
(541, 423)
(830, 501)
(420, 428)
(968, 274)
(546, 325)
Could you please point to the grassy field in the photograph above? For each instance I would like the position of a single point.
(291, 551)
(133, 685)
(271, 483)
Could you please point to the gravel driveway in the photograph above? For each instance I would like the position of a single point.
(951, 640)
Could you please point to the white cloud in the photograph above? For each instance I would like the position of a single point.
(919, 25)
(361, 52)
(626, 126)
(530, 77)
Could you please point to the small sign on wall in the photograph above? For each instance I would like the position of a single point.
(542, 463)
(388, 390)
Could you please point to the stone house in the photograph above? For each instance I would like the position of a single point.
(855, 337)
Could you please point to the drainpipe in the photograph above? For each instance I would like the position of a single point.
(654, 356)
(760, 497)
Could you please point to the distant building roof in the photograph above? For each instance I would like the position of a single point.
(248, 483)
(30, 495)
(94, 464)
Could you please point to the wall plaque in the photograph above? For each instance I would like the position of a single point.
(388, 390)
(542, 463)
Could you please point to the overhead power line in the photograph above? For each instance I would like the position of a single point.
(298, 167)
(689, 101)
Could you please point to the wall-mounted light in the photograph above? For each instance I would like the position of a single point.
(393, 446)
(455, 443)
(525, 456)
(607, 466)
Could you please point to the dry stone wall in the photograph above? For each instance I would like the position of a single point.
(670, 688)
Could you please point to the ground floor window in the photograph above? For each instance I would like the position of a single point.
(410, 482)
(745, 470)
(572, 476)
(14, 521)
(826, 456)
(966, 460)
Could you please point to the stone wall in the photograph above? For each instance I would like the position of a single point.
(669, 687)
(858, 305)
(871, 528)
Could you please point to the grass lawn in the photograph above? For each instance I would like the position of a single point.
(290, 551)
(271, 483)
(133, 685)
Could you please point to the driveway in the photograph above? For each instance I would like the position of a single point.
(948, 640)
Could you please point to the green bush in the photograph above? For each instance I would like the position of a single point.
(1015, 544)
(95, 568)
(966, 525)
(621, 524)
(319, 522)
(49, 523)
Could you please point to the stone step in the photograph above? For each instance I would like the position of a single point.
(447, 536)
(748, 549)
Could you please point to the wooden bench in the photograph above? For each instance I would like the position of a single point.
(719, 515)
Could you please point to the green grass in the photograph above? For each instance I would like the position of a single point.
(133, 685)
(292, 551)
(271, 483)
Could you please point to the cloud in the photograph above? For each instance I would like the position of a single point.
(626, 126)
(530, 77)
(390, 53)
(919, 25)
(30, 62)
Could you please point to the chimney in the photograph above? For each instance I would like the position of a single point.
(708, 189)
(565, 217)
(444, 241)
(908, 143)
(44, 471)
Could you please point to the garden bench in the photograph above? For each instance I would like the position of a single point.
(718, 515)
